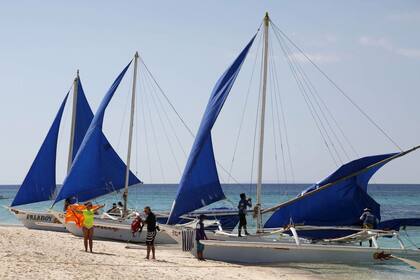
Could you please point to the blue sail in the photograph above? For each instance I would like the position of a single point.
(97, 169)
(84, 117)
(339, 204)
(40, 182)
(200, 185)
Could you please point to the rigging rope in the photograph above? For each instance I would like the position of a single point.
(301, 88)
(276, 88)
(317, 96)
(279, 106)
(319, 101)
(319, 116)
(312, 90)
(182, 120)
(170, 124)
(157, 110)
(245, 106)
(313, 104)
(145, 132)
(152, 126)
(272, 96)
(275, 142)
(168, 100)
(339, 89)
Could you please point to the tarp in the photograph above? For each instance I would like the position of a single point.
(200, 185)
(340, 204)
(40, 182)
(97, 169)
(73, 214)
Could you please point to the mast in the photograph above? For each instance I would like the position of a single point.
(262, 120)
(130, 133)
(73, 121)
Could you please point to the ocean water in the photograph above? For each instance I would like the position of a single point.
(397, 201)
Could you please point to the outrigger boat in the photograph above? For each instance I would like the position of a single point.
(276, 246)
(40, 182)
(97, 170)
(328, 211)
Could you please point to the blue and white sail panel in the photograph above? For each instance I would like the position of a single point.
(40, 182)
(84, 116)
(97, 169)
(340, 204)
(200, 185)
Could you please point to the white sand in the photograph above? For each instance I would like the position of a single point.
(30, 254)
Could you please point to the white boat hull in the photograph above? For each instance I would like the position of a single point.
(260, 250)
(277, 252)
(119, 231)
(38, 220)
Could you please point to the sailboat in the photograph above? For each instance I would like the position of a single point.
(325, 210)
(98, 170)
(40, 181)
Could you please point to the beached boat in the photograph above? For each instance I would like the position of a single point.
(96, 156)
(38, 220)
(111, 228)
(40, 182)
(98, 170)
(271, 248)
(335, 201)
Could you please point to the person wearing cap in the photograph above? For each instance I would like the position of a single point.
(243, 204)
(88, 219)
(200, 234)
(369, 221)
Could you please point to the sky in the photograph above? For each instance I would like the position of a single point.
(371, 49)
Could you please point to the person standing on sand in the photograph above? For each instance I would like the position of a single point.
(200, 234)
(243, 204)
(151, 231)
(88, 219)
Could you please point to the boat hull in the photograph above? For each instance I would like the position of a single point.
(256, 249)
(119, 231)
(277, 252)
(39, 220)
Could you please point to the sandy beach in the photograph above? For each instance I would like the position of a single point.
(31, 254)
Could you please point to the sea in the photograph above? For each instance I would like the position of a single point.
(396, 200)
